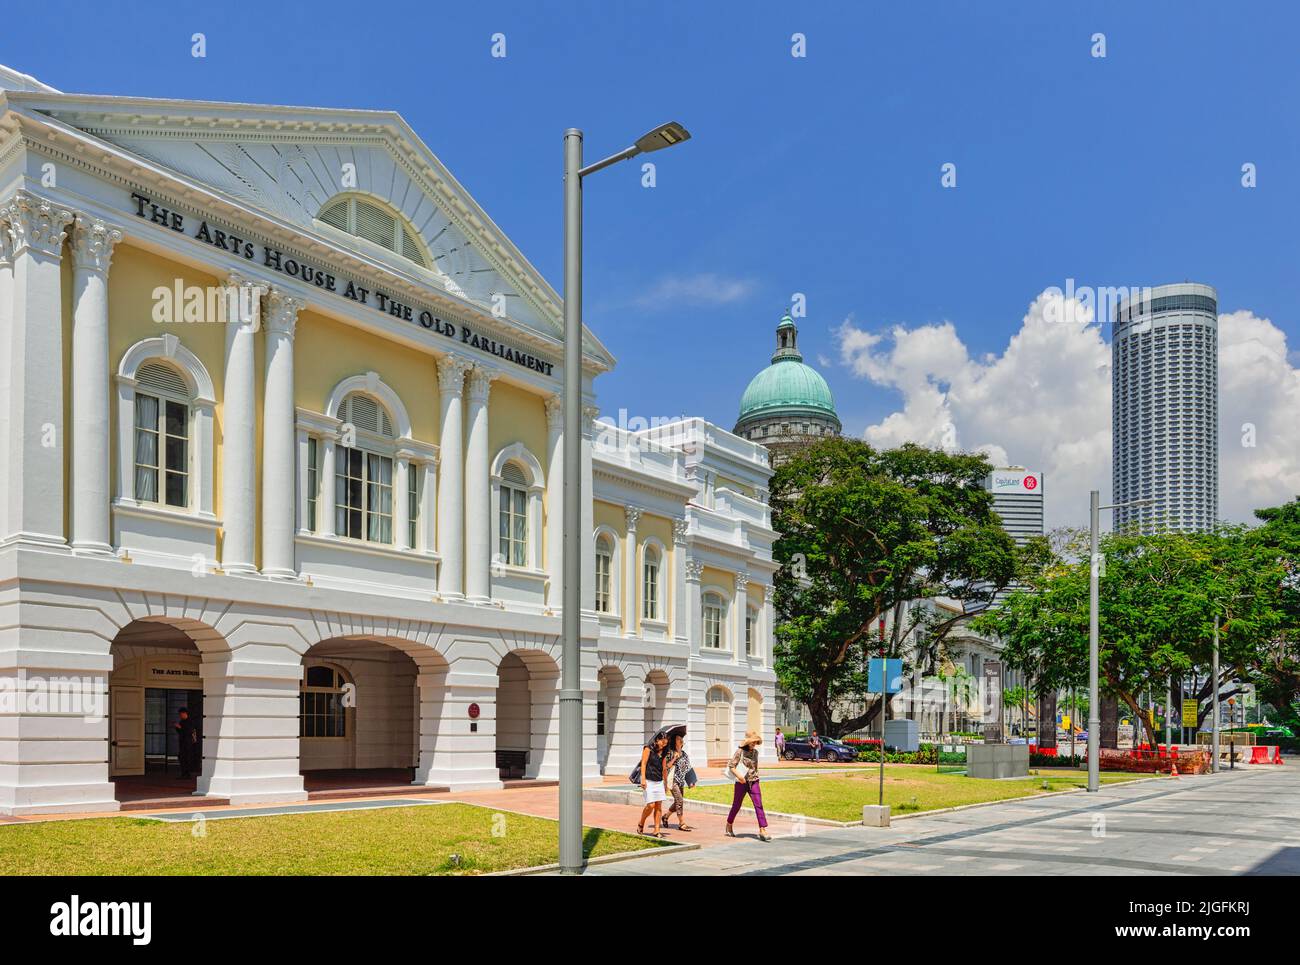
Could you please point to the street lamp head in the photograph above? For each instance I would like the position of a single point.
(665, 135)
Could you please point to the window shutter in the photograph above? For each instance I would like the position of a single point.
(365, 413)
(512, 475)
(161, 378)
(376, 225)
(336, 215)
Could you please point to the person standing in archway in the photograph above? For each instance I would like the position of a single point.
(188, 738)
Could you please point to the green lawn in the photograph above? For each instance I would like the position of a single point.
(907, 788)
(384, 841)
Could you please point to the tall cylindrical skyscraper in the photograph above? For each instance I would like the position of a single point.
(1165, 403)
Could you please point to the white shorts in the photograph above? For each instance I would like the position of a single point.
(654, 791)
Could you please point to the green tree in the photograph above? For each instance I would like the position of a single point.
(864, 533)
(1158, 602)
(1277, 673)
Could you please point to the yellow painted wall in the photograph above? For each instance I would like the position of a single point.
(612, 515)
(131, 283)
(327, 351)
(722, 482)
(660, 528)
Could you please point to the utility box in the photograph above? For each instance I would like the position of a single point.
(997, 761)
(901, 735)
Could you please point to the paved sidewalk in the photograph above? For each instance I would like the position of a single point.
(1235, 823)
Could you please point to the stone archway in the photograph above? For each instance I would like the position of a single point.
(528, 716)
(157, 675)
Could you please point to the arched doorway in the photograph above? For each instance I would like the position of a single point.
(609, 704)
(358, 715)
(754, 711)
(655, 703)
(718, 738)
(527, 716)
(155, 678)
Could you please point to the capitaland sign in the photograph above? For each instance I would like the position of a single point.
(181, 306)
(1016, 482)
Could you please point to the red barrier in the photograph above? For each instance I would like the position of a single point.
(1277, 755)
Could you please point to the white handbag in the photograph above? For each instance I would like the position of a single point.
(740, 771)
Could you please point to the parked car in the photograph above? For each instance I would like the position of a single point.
(798, 749)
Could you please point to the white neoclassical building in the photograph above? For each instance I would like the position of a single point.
(280, 442)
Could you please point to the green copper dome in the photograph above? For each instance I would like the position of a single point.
(787, 384)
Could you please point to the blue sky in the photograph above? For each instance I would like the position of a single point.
(818, 175)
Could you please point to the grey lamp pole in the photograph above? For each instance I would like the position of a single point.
(666, 135)
(1214, 669)
(1094, 572)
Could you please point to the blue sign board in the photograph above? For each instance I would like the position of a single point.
(890, 670)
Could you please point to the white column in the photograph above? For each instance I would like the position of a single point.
(478, 488)
(34, 460)
(555, 502)
(6, 340)
(769, 627)
(632, 578)
(680, 608)
(278, 431)
(694, 617)
(325, 500)
(451, 478)
(239, 430)
(92, 250)
(402, 470)
(429, 506)
(588, 510)
(741, 604)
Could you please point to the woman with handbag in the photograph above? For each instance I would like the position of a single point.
(680, 775)
(743, 770)
(653, 756)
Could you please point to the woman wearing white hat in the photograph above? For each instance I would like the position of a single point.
(743, 770)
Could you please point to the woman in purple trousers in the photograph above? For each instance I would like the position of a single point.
(743, 768)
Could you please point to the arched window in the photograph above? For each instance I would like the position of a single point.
(604, 573)
(162, 436)
(363, 472)
(322, 711)
(650, 584)
(512, 527)
(367, 218)
(715, 615)
(517, 511)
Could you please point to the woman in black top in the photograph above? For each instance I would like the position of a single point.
(653, 761)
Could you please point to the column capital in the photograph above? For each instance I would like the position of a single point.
(680, 526)
(244, 300)
(36, 223)
(589, 413)
(554, 411)
(282, 312)
(92, 244)
(6, 244)
(480, 383)
(742, 581)
(694, 570)
(451, 374)
(632, 514)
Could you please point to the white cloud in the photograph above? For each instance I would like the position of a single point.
(1044, 402)
(706, 288)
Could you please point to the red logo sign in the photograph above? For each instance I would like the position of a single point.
(473, 711)
(1031, 482)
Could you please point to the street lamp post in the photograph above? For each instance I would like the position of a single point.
(1094, 699)
(665, 135)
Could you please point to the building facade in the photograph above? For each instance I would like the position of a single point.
(1018, 501)
(1165, 381)
(279, 409)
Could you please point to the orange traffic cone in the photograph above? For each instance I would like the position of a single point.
(1173, 770)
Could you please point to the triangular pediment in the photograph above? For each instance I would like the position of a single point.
(291, 162)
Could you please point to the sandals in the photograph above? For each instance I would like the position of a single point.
(729, 832)
(682, 827)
